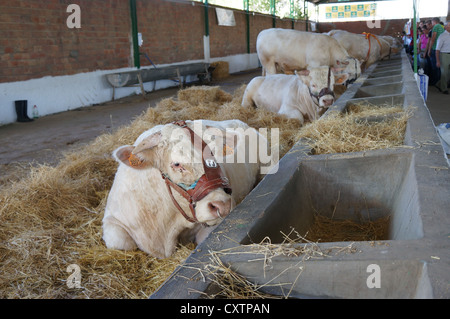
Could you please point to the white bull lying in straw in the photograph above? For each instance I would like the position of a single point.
(165, 190)
(283, 51)
(304, 96)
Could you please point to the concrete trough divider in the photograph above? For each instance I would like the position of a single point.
(383, 80)
(410, 185)
(379, 89)
(385, 73)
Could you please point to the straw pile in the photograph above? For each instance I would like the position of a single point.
(221, 70)
(52, 218)
(363, 127)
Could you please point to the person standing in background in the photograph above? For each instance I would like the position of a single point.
(437, 30)
(443, 59)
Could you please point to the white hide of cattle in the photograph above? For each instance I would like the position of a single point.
(304, 96)
(282, 50)
(369, 49)
(396, 45)
(140, 212)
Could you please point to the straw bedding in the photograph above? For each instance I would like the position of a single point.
(363, 127)
(52, 218)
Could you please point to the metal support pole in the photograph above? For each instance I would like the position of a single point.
(304, 13)
(247, 19)
(415, 35)
(272, 12)
(134, 34)
(291, 12)
(206, 19)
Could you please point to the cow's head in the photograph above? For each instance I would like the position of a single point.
(183, 167)
(350, 66)
(320, 82)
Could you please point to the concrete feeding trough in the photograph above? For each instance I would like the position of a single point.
(407, 187)
(352, 189)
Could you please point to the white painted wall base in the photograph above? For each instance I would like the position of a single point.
(63, 93)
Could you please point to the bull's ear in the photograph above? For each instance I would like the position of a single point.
(141, 156)
(221, 142)
(148, 143)
(341, 78)
(302, 72)
(337, 70)
(124, 154)
(303, 75)
(342, 63)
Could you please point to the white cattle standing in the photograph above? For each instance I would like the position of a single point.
(283, 50)
(395, 45)
(160, 195)
(365, 47)
(304, 96)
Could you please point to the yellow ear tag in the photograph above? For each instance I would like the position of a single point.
(227, 150)
(134, 160)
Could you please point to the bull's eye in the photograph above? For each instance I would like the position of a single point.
(177, 166)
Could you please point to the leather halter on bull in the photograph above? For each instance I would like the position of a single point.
(212, 179)
(324, 91)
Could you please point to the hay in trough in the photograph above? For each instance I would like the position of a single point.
(326, 229)
(363, 127)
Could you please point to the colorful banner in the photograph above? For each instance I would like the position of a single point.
(338, 11)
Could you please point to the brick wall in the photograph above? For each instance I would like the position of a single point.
(35, 40)
(172, 32)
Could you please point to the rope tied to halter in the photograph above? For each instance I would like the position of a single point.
(368, 35)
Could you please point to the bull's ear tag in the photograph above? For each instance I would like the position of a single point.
(134, 160)
(211, 163)
(227, 150)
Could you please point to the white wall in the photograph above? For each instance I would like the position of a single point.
(62, 93)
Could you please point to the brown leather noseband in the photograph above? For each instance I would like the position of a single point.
(212, 179)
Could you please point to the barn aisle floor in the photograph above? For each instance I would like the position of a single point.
(439, 106)
(43, 140)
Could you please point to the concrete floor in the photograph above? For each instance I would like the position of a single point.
(439, 106)
(43, 140)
